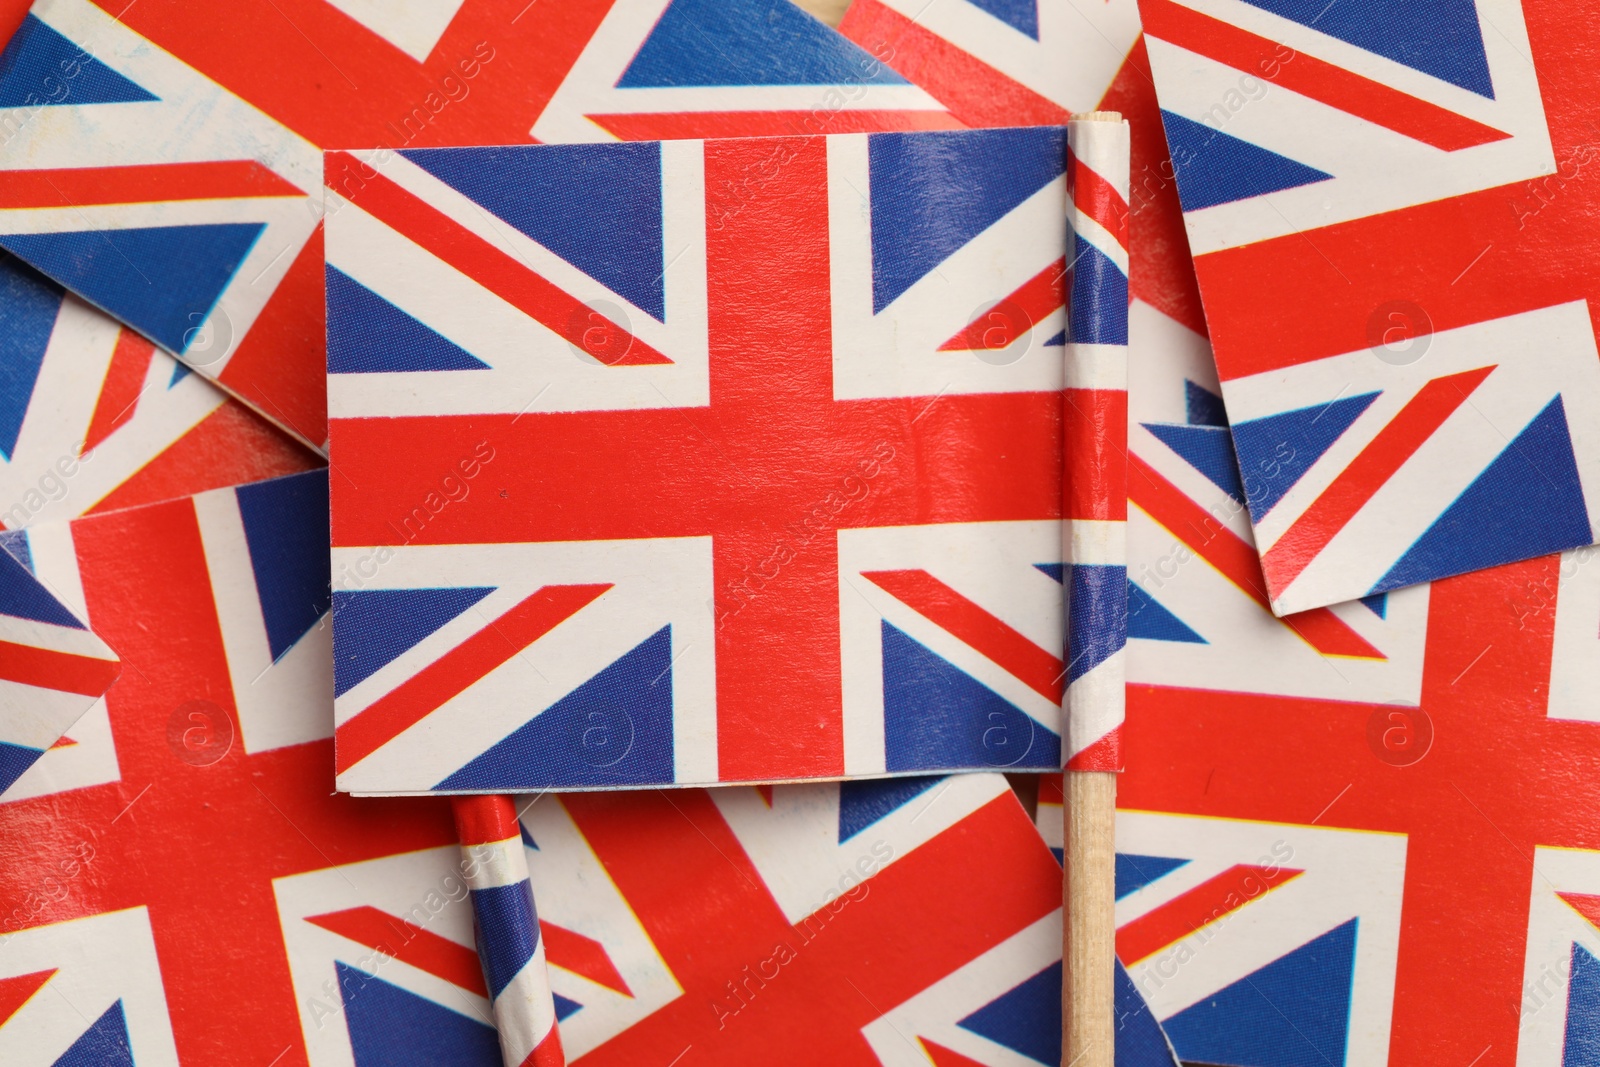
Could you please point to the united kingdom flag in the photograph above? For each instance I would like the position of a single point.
(616, 505)
(167, 172)
(1254, 943)
(92, 416)
(119, 940)
(820, 894)
(1482, 763)
(808, 883)
(1391, 743)
(1390, 228)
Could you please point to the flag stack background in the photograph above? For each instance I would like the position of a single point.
(1351, 588)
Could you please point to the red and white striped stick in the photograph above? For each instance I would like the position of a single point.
(1095, 509)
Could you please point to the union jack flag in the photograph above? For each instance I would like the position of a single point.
(807, 885)
(121, 941)
(52, 669)
(1001, 62)
(1479, 765)
(93, 417)
(618, 507)
(1392, 744)
(1385, 210)
(172, 179)
(828, 889)
(1408, 734)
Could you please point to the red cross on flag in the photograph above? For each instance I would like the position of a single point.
(656, 484)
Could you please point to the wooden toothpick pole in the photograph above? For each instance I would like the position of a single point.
(1095, 507)
(1088, 934)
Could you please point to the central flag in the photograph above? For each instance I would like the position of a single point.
(690, 462)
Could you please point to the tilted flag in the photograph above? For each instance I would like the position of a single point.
(172, 178)
(633, 493)
(52, 669)
(353, 917)
(1311, 792)
(820, 895)
(94, 417)
(1198, 613)
(1389, 225)
(1198, 610)
(1001, 62)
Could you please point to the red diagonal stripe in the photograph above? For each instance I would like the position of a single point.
(1016, 314)
(407, 942)
(18, 990)
(449, 675)
(1204, 904)
(1098, 199)
(974, 625)
(501, 274)
(944, 1057)
(1315, 78)
(975, 92)
(1384, 455)
(148, 183)
(119, 393)
(1584, 904)
(63, 671)
(572, 951)
(1235, 560)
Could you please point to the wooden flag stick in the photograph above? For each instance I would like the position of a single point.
(1088, 928)
(1095, 547)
